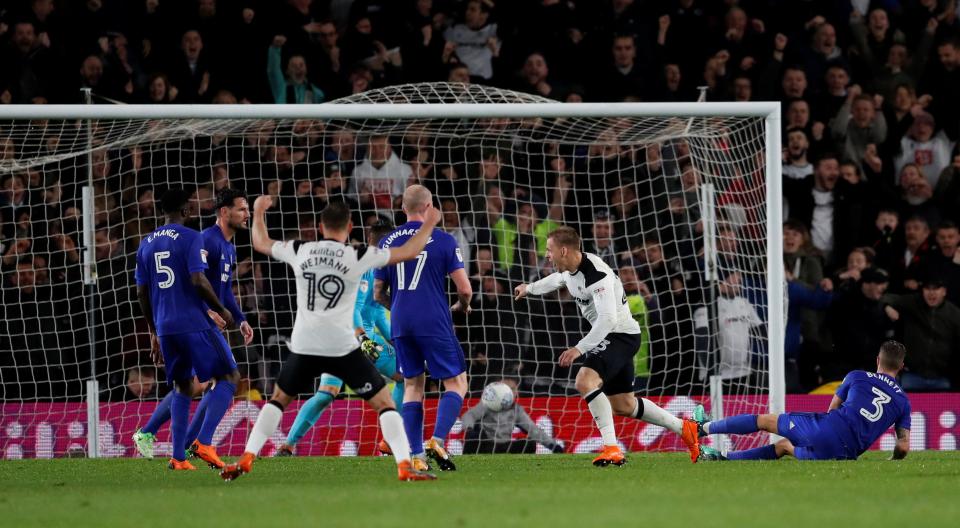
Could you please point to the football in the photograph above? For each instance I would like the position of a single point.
(497, 396)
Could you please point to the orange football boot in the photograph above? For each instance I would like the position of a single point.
(407, 473)
(178, 465)
(233, 471)
(691, 438)
(611, 454)
(207, 453)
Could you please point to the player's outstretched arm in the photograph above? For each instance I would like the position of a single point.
(550, 283)
(415, 244)
(902, 447)
(203, 287)
(835, 403)
(261, 239)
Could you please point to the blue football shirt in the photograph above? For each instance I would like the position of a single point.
(418, 287)
(222, 262)
(165, 260)
(872, 402)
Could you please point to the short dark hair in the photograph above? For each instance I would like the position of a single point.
(892, 354)
(947, 224)
(380, 230)
(566, 236)
(336, 215)
(226, 197)
(174, 200)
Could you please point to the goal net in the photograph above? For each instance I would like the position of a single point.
(673, 197)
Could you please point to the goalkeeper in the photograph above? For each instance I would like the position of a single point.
(373, 331)
(489, 431)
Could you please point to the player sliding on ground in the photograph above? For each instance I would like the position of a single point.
(605, 381)
(423, 328)
(172, 289)
(328, 276)
(369, 318)
(865, 405)
(233, 212)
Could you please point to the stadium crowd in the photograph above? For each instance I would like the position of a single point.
(870, 175)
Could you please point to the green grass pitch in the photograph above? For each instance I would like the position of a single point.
(652, 490)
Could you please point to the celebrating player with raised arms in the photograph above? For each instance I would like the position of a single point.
(233, 212)
(865, 405)
(328, 276)
(422, 326)
(172, 289)
(369, 318)
(605, 380)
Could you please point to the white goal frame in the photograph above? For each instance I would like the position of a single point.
(769, 111)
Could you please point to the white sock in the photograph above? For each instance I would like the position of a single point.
(652, 413)
(267, 422)
(391, 425)
(603, 415)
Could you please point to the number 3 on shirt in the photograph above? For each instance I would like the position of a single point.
(415, 280)
(878, 403)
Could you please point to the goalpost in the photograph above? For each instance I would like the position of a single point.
(683, 196)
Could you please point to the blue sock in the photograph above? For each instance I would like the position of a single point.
(308, 416)
(218, 401)
(160, 415)
(413, 424)
(179, 413)
(767, 452)
(740, 424)
(194, 430)
(447, 413)
(398, 394)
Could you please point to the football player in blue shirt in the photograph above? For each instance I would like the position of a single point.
(423, 328)
(865, 405)
(372, 327)
(174, 294)
(233, 214)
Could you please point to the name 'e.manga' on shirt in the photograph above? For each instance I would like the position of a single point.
(165, 260)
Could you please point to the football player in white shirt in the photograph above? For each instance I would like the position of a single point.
(605, 380)
(328, 275)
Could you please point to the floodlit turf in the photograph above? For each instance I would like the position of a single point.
(652, 490)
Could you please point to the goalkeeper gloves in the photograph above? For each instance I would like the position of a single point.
(370, 347)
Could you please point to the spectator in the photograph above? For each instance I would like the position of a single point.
(602, 243)
(942, 82)
(916, 195)
(858, 259)
(916, 247)
(623, 78)
(814, 203)
(191, 72)
(490, 431)
(797, 166)
(858, 124)
(451, 224)
(291, 86)
(534, 77)
(380, 180)
(141, 384)
(929, 152)
(931, 328)
(159, 90)
(29, 74)
(638, 296)
(944, 263)
(737, 317)
(475, 40)
(859, 325)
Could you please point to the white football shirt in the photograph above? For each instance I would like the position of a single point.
(328, 276)
(599, 295)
